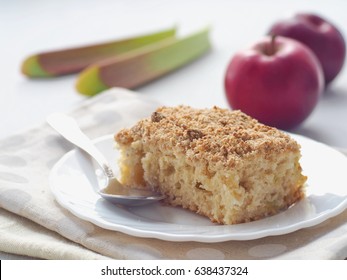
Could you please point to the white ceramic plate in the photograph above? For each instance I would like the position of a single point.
(73, 183)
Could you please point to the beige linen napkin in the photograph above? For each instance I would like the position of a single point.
(32, 223)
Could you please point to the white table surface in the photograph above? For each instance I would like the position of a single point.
(32, 26)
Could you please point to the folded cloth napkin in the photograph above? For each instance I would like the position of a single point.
(33, 224)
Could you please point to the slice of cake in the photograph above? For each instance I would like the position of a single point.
(219, 163)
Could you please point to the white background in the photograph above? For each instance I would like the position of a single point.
(30, 26)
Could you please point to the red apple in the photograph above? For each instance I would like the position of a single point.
(277, 81)
(322, 37)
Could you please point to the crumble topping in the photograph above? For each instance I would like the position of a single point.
(216, 134)
(156, 117)
(194, 134)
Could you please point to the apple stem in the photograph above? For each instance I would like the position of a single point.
(271, 50)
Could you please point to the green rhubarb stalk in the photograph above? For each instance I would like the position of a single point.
(73, 60)
(140, 66)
